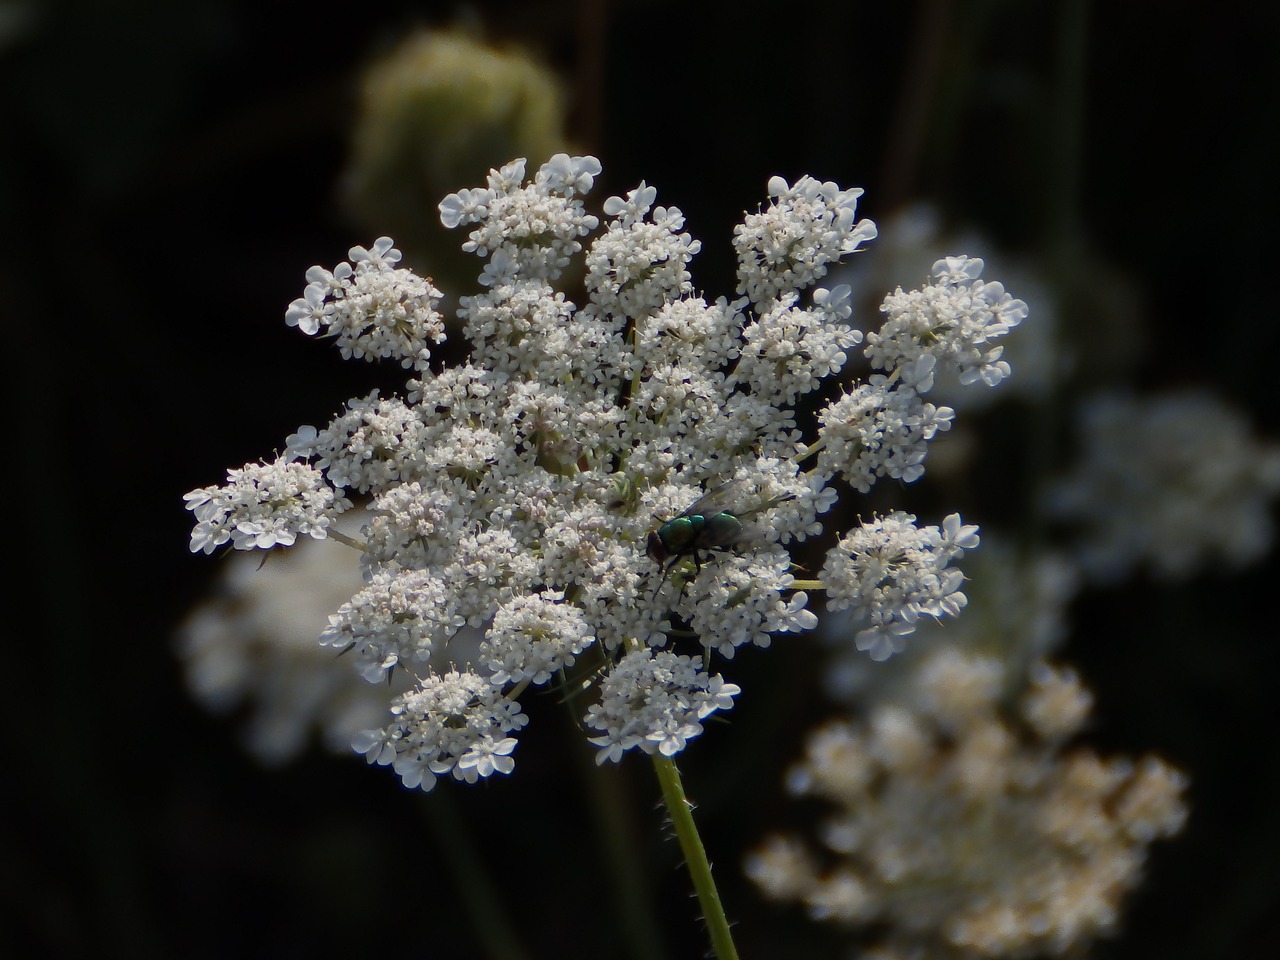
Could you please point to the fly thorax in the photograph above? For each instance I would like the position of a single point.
(680, 534)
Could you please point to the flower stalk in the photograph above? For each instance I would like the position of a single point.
(695, 857)
(807, 585)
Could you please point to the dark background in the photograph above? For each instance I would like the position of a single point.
(168, 172)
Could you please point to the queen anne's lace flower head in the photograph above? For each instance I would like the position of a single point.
(961, 830)
(531, 230)
(371, 445)
(954, 318)
(656, 703)
(533, 637)
(453, 723)
(520, 493)
(402, 616)
(1174, 483)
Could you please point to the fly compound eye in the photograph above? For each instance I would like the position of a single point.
(656, 548)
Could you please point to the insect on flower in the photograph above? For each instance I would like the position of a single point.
(712, 523)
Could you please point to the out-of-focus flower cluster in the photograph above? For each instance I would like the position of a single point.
(251, 648)
(965, 826)
(599, 479)
(435, 108)
(1174, 483)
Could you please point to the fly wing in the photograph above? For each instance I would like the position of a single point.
(745, 514)
(728, 497)
(719, 499)
(748, 533)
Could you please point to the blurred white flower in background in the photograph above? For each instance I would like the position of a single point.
(962, 825)
(252, 647)
(1175, 483)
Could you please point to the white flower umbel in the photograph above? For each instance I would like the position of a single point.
(372, 309)
(264, 505)
(910, 242)
(400, 617)
(548, 491)
(455, 723)
(742, 601)
(879, 430)
(955, 318)
(961, 830)
(892, 572)
(808, 226)
(533, 637)
(655, 702)
(1176, 483)
(369, 446)
(531, 229)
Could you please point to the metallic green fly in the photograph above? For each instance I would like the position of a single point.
(710, 524)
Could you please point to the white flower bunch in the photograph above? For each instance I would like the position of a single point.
(264, 505)
(609, 473)
(891, 572)
(1175, 483)
(374, 310)
(249, 650)
(963, 828)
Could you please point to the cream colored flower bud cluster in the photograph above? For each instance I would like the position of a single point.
(968, 828)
